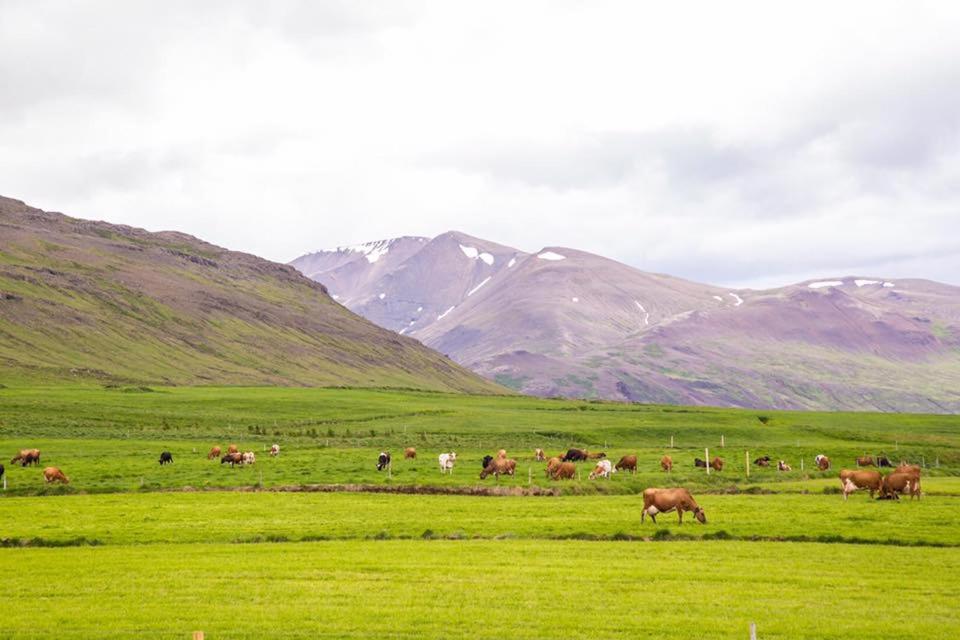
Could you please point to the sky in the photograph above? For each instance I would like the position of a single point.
(734, 143)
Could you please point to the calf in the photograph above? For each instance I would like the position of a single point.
(538, 455)
(864, 461)
(666, 500)
(574, 455)
(53, 474)
(232, 458)
(383, 461)
(627, 463)
(166, 458)
(783, 466)
(410, 453)
(498, 466)
(822, 462)
(214, 453)
(275, 450)
(552, 464)
(603, 470)
(564, 471)
(851, 481)
(666, 463)
(446, 462)
(896, 483)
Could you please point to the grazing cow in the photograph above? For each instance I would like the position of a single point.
(27, 457)
(603, 470)
(53, 474)
(232, 458)
(627, 463)
(717, 464)
(502, 454)
(783, 466)
(596, 456)
(383, 461)
(249, 458)
(666, 500)
(697, 462)
(851, 481)
(538, 455)
(864, 461)
(552, 464)
(822, 462)
(166, 458)
(574, 455)
(487, 459)
(233, 449)
(903, 467)
(666, 463)
(446, 462)
(214, 453)
(883, 461)
(275, 450)
(498, 466)
(896, 483)
(410, 453)
(763, 461)
(564, 471)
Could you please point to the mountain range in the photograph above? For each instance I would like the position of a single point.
(563, 322)
(91, 301)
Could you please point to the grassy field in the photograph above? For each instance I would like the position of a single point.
(130, 549)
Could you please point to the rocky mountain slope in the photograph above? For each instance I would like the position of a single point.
(87, 300)
(566, 322)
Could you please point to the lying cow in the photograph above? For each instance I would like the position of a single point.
(603, 470)
(864, 461)
(698, 463)
(552, 465)
(896, 483)
(383, 461)
(232, 458)
(666, 500)
(666, 463)
(249, 458)
(763, 461)
(53, 474)
(627, 463)
(498, 467)
(822, 462)
(783, 466)
(214, 453)
(564, 471)
(446, 462)
(27, 457)
(574, 455)
(166, 458)
(851, 481)
(275, 450)
(596, 456)
(538, 455)
(410, 453)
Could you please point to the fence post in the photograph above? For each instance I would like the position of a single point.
(801, 463)
(671, 442)
(706, 454)
(722, 443)
(529, 475)
(746, 462)
(924, 459)
(753, 631)
(4, 482)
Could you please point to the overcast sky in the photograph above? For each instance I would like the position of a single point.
(736, 143)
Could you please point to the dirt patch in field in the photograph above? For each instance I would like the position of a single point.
(381, 488)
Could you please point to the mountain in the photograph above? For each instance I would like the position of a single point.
(566, 322)
(87, 300)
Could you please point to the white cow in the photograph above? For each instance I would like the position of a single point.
(446, 462)
(603, 470)
(275, 450)
(249, 457)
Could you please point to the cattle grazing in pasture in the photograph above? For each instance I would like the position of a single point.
(232, 458)
(851, 481)
(864, 461)
(410, 453)
(627, 463)
(666, 463)
(564, 471)
(383, 461)
(822, 462)
(763, 461)
(447, 461)
(538, 455)
(275, 450)
(233, 449)
(596, 456)
(717, 464)
(904, 467)
(574, 455)
(249, 457)
(27, 457)
(552, 464)
(896, 483)
(499, 466)
(166, 458)
(214, 453)
(666, 500)
(883, 461)
(53, 474)
(603, 470)
(783, 466)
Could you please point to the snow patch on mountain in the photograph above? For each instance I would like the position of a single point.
(512, 262)
(444, 314)
(550, 255)
(486, 257)
(646, 314)
(470, 252)
(474, 290)
(738, 300)
(373, 251)
(825, 283)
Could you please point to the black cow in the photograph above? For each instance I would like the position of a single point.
(883, 461)
(166, 458)
(762, 461)
(697, 462)
(486, 461)
(383, 461)
(575, 455)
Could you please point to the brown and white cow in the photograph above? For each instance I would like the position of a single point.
(603, 470)
(822, 462)
(233, 449)
(783, 466)
(538, 455)
(410, 453)
(552, 464)
(275, 450)
(666, 463)
(214, 453)
(53, 474)
(499, 466)
(666, 500)
(897, 483)
(564, 471)
(232, 458)
(27, 457)
(851, 481)
(864, 461)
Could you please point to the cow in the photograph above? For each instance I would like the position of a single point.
(603, 470)
(498, 466)
(446, 462)
(27, 457)
(502, 454)
(410, 453)
(883, 461)
(627, 463)
(383, 461)
(214, 453)
(717, 464)
(666, 463)
(851, 481)
(275, 450)
(822, 462)
(666, 500)
(538, 455)
(903, 467)
(864, 461)
(574, 455)
(2, 471)
(697, 462)
(232, 458)
(487, 459)
(762, 461)
(166, 458)
(249, 458)
(552, 464)
(896, 483)
(564, 471)
(596, 456)
(783, 466)
(233, 449)
(53, 474)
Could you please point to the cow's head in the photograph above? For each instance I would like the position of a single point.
(700, 515)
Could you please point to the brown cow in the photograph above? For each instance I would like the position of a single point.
(864, 461)
(851, 481)
(214, 453)
(232, 458)
(233, 449)
(498, 467)
(564, 471)
(410, 453)
(904, 467)
(596, 456)
(896, 483)
(538, 455)
(666, 500)
(717, 464)
(666, 463)
(822, 461)
(53, 474)
(552, 464)
(502, 454)
(27, 457)
(627, 463)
